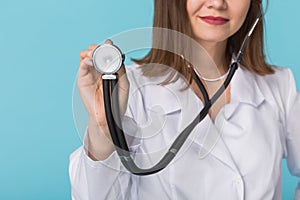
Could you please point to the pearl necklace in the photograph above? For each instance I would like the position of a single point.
(211, 79)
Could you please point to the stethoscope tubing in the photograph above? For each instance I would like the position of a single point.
(118, 137)
(115, 125)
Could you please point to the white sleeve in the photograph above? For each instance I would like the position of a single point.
(91, 180)
(293, 131)
(107, 179)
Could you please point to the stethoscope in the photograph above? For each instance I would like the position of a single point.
(108, 59)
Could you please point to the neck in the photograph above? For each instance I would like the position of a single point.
(217, 52)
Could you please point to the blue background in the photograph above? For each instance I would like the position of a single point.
(40, 43)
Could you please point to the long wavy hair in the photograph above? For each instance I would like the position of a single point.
(172, 15)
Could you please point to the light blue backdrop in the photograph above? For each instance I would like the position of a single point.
(40, 43)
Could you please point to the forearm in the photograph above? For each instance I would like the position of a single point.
(99, 144)
(98, 179)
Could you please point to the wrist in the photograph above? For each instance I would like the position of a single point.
(92, 122)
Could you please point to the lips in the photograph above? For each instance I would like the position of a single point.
(214, 20)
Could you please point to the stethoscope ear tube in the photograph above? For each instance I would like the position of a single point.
(201, 87)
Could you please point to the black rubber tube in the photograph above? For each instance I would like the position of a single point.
(108, 113)
(201, 87)
(119, 137)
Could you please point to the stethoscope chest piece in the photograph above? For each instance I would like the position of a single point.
(107, 59)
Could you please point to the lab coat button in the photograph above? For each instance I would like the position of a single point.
(238, 181)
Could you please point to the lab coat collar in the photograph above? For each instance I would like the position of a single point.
(208, 136)
(208, 140)
(244, 90)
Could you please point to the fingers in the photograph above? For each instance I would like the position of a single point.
(86, 54)
(92, 46)
(86, 62)
(84, 67)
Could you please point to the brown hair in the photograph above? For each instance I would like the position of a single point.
(172, 14)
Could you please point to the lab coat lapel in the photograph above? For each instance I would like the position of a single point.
(210, 142)
(205, 135)
(208, 136)
(244, 90)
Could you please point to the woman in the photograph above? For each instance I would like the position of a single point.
(258, 123)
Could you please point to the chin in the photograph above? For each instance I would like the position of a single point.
(214, 38)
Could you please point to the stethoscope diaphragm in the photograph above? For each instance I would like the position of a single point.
(107, 59)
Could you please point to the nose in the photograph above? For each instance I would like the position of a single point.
(217, 4)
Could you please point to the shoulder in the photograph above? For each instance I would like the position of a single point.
(278, 88)
(131, 68)
(278, 83)
(280, 76)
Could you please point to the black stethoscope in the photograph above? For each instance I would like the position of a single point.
(108, 59)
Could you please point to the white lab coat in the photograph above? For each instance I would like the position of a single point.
(250, 136)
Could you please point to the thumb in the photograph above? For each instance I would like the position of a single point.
(108, 41)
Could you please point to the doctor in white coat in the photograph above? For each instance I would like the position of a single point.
(234, 153)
